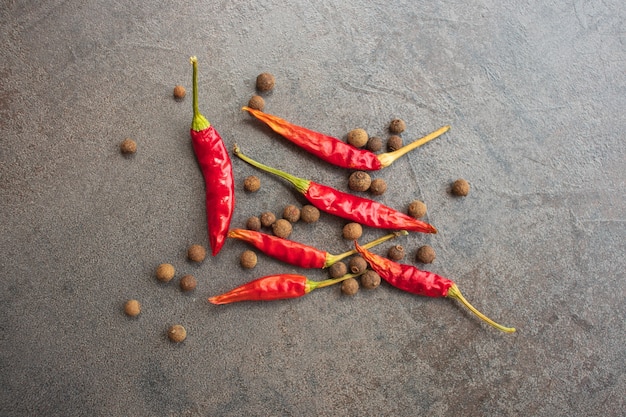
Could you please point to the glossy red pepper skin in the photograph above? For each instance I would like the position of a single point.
(348, 206)
(407, 277)
(325, 147)
(284, 250)
(362, 210)
(411, 279)
(268, 288)
(217, 170)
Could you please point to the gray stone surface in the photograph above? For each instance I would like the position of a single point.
(535, 93)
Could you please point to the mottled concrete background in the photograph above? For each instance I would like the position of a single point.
(535, 92)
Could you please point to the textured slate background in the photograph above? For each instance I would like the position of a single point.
(535, 93)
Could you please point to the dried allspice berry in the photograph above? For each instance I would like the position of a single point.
(394, 143)
(460, 187)
(282, 228)
(128, 146)
(352, 231)
(397, 126)
(309, 214)
(359, 181)
(425, 254)
(196, 253)
(378, 186)
(256, 102)
(374, 144)
(358, 137)
(291, 213)
(265, 81)
(251, 183)
(417, 209)
(396, 252)
(350, 286)
(248, 259)
(357, 264)
(370, 279)
(253, 223)
(338, 269)
(267, 219)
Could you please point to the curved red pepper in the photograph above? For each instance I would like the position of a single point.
(295, 253)
(335, 151)
(217, 170)
(275, 287)
(358, 209)
(409, 278)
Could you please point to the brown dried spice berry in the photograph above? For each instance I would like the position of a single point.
(267, 219)
(291, 213)
(338, 269)
(357, 138)
(253, 223)
(359, 181)
(374, 144)
(177, 333)
(165, 272)
(395, 253)
(460, 187)
(378, 186)
(265, 81)
(357, 264)
(352, 231)
(128, 146)
(397, 126)
(196, 253)
(282, 228)
(188, 283)
(370, 279)
(309, 214)
(132, 308)
(350, 286)
(251, 183)
(256, 102)
(179, 92)
(394, 143)
(425, 254)
(248, 259)
(417, 209)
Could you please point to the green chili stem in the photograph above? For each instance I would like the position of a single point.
(388, 158)
(301, 184)
(199, 121)
(454, 292)
(332, 259)
(311, 285)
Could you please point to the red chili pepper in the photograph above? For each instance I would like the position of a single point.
(275, 287)
(217, 170)
(358, 209)
(409, 278)
(298, 254)
(335, 151)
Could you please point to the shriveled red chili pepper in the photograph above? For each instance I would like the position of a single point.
(411, 279)
(335, 151)
(299, 254)
(217, 170)
(358, 209)
(275, 287)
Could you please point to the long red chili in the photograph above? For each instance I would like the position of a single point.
(409, 278)
(275, 287)
(361, 210)
(298, 254)
(217, 170)
(335, 151)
